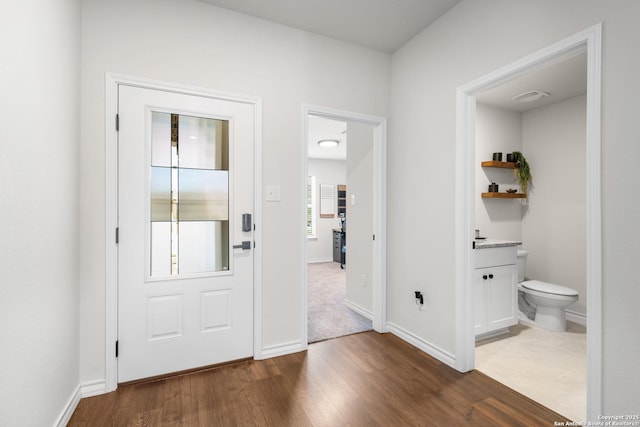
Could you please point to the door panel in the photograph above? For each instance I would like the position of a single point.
(185, 294)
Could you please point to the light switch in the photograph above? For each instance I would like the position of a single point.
(272, 193)
(353, 200)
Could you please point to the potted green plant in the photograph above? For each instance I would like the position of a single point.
(522, 171)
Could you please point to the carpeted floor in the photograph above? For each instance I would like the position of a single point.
(328, 316)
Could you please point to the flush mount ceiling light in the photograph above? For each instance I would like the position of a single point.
(530, 96)
(328, 143)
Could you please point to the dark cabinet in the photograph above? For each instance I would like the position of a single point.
(339, 240)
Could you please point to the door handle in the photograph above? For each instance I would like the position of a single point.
(246, 244)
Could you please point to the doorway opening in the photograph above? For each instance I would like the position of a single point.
(340, 172)
(344, 277)
(550, 223)
(467, 194)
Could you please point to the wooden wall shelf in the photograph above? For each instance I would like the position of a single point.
(495, 164)
(504, 196)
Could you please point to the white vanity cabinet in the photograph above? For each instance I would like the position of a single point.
(494, 286)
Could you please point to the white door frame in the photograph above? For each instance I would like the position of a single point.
(111, 203)
(379, 279)
(591, 38)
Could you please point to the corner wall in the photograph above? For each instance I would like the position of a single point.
(194, 43)
(39, 202)
(471, 40)
(554, 229)
(552, 222)
(497, 131)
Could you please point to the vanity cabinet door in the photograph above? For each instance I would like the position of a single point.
(495, 298)
(502, 297)
(480, 301)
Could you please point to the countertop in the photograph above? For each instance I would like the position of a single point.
(494, 243)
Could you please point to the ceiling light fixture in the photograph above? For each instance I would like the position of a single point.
(530, 96)
(328, 143)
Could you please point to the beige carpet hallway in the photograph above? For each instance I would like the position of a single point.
(328, 317)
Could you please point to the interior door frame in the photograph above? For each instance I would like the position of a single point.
(591, 39)
(379, 261)
(112, 82)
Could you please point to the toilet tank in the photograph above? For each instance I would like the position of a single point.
(522, 264)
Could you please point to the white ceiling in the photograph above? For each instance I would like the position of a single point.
(562, 79)
(378, 24)
(383, 25)
(386, 25)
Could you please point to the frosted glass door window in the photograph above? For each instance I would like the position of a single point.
(160, 194)
(189, 188)
(204, 195)
(204, 143)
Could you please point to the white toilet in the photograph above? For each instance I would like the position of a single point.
(549, 300)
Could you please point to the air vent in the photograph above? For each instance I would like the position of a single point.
(530, 96)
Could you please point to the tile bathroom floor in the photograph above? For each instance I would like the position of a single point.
(548, 367)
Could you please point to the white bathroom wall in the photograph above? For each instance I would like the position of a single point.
(360, 215)
(554, 228)
(194, 43)
(500, 131)
(471, 40)
(326, 172)
(551, 224)
(39, 204)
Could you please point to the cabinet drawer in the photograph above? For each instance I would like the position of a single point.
(490, 257)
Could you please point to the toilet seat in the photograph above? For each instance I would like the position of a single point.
(549, 288)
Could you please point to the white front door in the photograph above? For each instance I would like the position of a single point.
(185, 200)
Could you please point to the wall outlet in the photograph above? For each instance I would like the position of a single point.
(419, 297)
(363, 280)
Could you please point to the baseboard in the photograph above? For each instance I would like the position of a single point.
(432, 350)
(319, 260)
(93, 388)
(575, 317)
(360, 310)
(281, 350)
(88, 389)
(491, 334)
(522, 318)
(69, 409)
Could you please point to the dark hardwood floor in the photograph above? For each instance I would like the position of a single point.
(366, 379)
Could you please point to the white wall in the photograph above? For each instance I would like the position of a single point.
(497, 131)
(551, 224)
(195, 43)
(471, 40)
(326, 172)
(554, 228)
(360, 215)
(39, 195)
